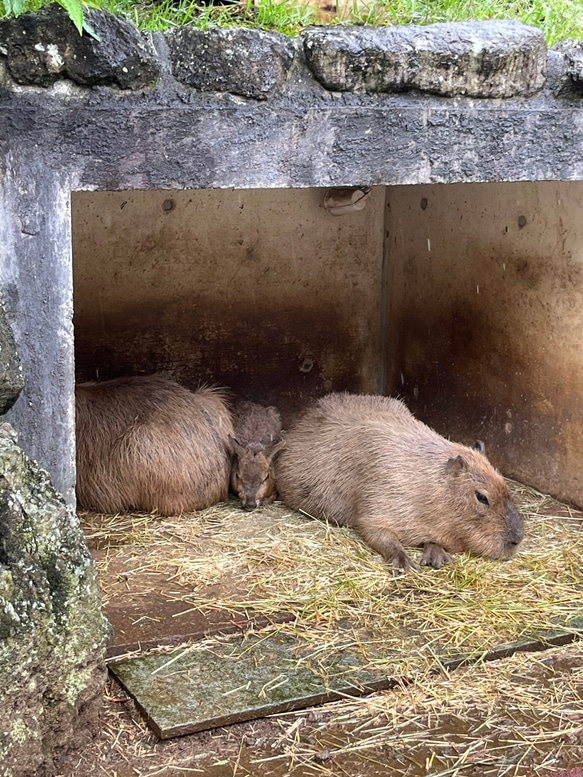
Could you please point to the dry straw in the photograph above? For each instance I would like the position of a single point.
(273, 560)
(518, 716)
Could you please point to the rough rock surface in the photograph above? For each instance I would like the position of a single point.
(52, 633)
(252, 63)
(572, 51)
(44, 46)
(11, 378)
(476, 59)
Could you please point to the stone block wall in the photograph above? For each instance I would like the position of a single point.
(498, 59)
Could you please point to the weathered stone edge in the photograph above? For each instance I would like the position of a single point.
(492, 59)
(248, 62)
(358, 58)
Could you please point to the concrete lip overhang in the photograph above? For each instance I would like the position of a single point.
(234, 107)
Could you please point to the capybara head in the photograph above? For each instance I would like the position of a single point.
(491, 525)
(252, 473)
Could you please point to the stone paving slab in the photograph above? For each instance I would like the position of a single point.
(220, 682)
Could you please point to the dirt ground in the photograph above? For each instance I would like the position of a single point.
(520, 715)
(489, 730)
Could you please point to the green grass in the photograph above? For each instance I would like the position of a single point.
(559, 19)
(269, 14)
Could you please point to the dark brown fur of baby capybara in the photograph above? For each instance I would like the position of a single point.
(256, 442)
(147, 443)
(256, 424)
(366, 462)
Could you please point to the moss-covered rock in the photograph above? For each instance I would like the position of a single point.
(11, 377)
(52, 633)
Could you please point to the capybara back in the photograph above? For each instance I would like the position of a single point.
(366, 462)
(147, 443)
(255, 424)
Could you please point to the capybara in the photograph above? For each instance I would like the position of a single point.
(255, 444)
(366, 462)
(147, 443)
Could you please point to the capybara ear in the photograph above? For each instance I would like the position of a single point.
(455, 466)
(479, 446)
(236, 446)
(271, 453)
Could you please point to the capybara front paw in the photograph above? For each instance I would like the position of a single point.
(435, 556)
(402, 563)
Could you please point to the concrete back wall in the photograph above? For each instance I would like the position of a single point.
(485, 321)
(260, 290)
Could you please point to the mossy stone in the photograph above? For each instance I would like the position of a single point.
(52, 633)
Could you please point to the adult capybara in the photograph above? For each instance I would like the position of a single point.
(147, 443)
(256, 442)
(366, 462)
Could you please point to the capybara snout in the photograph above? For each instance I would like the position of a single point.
(365, 461)
(515, 531)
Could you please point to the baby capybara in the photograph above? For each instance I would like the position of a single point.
(256, 442)
(366, 462)
(147, 443)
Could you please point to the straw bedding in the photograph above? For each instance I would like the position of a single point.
(489, 716)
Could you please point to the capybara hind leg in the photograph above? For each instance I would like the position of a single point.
(387, 544)
(435, 556)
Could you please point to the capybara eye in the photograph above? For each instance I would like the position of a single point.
(482, 498)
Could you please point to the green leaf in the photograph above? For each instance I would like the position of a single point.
(75, 11)
(15, 7)
(89, 29)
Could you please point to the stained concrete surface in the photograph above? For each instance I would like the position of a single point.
(472, 313)
(261, 291)
(68, 139)
(485, 301)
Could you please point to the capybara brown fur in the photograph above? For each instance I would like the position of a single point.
(147, 443)
(255, 444)
(365, 461)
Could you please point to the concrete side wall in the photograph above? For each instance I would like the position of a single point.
(260, 290)
(36, 286)
(485, 319)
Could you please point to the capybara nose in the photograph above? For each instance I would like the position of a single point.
(515, 533)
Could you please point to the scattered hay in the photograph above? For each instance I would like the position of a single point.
(327, 577)
(516, 716)
(519, 716)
